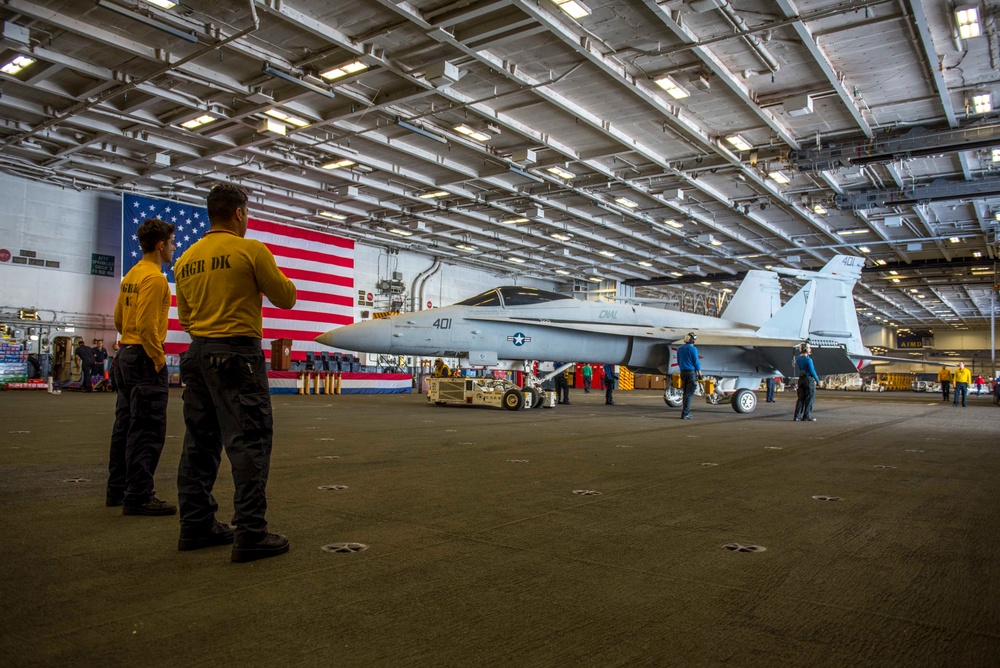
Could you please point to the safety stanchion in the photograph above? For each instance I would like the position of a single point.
(300, 383)
(336, 384)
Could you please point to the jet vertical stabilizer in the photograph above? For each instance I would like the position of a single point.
(792, 320)
(756, 300)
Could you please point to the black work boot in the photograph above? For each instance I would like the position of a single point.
(253, 547)
(219, 534)
(152, 507)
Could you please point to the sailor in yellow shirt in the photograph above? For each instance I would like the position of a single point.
(227, 403)
(141, 376)
(441, 369)
(944, 377)
(962, 378)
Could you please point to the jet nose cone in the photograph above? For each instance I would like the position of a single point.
(374, 336)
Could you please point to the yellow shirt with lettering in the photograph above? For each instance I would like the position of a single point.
(142, 308)
(963, 376)
(220, 280)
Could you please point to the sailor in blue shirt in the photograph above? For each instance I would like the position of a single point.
(807, 384)
(687, 361)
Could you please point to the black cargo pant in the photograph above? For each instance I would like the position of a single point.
(806, 396)
(689, 385)
(946, 389)
(226, 405)
(140, 426)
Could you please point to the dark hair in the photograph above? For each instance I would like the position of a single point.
(152, 232)
(224, 200)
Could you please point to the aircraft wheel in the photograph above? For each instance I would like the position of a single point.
(673, 399)
(536, 397)
(744, 401)
(513, 400)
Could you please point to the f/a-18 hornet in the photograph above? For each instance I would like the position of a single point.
(752, 340)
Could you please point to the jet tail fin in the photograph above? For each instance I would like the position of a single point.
(756, 300)
(792, 320)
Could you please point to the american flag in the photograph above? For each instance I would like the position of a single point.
(320, 265)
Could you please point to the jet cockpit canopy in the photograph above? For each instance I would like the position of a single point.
(513, 295)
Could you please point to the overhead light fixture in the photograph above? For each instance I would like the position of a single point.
(643, 263)
(513, 221)
(516, 259)
(625, 201)
(575, 8)
(595, 279)
(151, 22)
(860, 230)
(739, 142)
(162, 4)
(272, 125)
(401, 232)
(290, 78)
(416, 129)
(715, 242)
(434, 195)
(921, 296)
(983, 103)
(674, 89)
(194, 123)
(893, 272)
(344, 70)
(996, 155)
(466, 247)
(967, 18)
(779, 177)
(880, 263)
(337, 164)
(894, 280)
(954, 240)
(561, 173)
(560, 237)
(474, 134)
(673, 223)
(704, 283)
(676, 273)
(522, 173)
(977, 254)
(819, 210)
(16, 65)
(331, 214)
(288, 118)
(606, 253)
(562, 272)
(865, 249)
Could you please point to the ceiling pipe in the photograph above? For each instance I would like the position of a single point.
(423, 282)
(414, 284)
(749, 39)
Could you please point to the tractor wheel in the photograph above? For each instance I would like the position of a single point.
(513, 400)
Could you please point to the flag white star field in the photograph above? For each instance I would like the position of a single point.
(320, 265)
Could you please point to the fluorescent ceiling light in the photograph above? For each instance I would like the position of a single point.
(673, 223)
(466, 247)
(153, 23)
(860, 230)
(561, 173)
(400, 232)
(625, 201)
(416, 129)
(291, 120)
(982, 104)
(606, 253)
(162, 4)
(331, 214)
(954, 240)
(575, 8)
(16, 65)
(562, 272)
(514, 221)
(977, 254)
(715, 242)
(921, 296)
(880, 263)
(704, 283)
(673, 89)
(290, 78)
(913, 289)
(204, 119)
(516, 259)
(676, 273)
(779, 177)
(560, 237)
(337, 164)
(865, 249)
(818, 209)
(895, 280)
(739, 142)
(344, 70)
(643, 263)
(435, 194)
(474, 134)
(967, 18)
(996, 155)
(893, 272)
(595, 279)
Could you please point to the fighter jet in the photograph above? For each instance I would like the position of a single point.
(753, 339)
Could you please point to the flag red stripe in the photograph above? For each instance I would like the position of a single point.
(302, 274)
(304, 296)
(311, 316)
(299, 233)
(312, 256)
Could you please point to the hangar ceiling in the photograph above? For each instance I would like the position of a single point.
(651, 143)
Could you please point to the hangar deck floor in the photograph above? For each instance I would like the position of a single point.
(480, 553)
